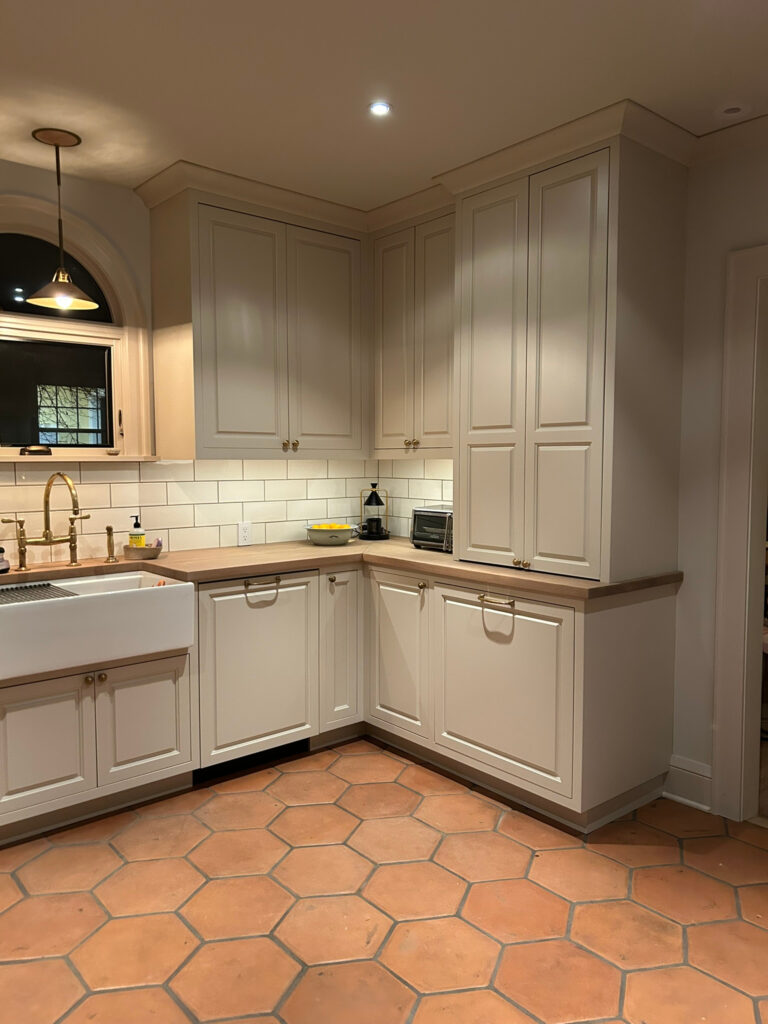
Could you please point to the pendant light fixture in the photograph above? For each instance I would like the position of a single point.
(61, 293)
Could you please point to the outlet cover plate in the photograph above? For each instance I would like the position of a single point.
(243, 534)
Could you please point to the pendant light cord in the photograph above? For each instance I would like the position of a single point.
(58, 189)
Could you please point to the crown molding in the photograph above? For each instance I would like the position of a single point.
(429, 200)
(626, 118)
(747, 137)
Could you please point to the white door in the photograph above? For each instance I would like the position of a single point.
(143, 722)
(502, 674)
(325, 398)
(241, 391)
(47, 741)
(398, 655)
(435, 270)
(393, 340)
(566, 366)
(341, 649)
(258, 665)
(492, 330)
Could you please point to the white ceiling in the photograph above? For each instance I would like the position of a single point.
(277, 90)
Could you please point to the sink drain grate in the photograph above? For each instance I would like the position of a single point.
(22, 592)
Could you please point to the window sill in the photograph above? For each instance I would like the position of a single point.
(72, 455)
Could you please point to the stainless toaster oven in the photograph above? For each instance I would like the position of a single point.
(432, 527)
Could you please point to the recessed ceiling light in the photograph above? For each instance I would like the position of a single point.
(19, 298)
(18, 289)
(380, 108)
(732, 110)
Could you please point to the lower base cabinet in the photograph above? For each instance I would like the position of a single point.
(258, 665)
(341, 649)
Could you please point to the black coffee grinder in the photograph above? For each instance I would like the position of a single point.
(371, 525)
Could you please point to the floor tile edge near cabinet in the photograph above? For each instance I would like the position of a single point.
(567, 283)
(492, 451)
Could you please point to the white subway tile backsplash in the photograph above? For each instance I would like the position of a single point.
(228, 536)
(163, 517)
(265, 469)
(425, 489)
(219, 469)
(110, 472)
(438, 469)
(344, 507)
(395, 488)
(280, 489)
(447, 490)
(7, 474)
(167, 470)
(192, 492)
(241, 490)
(346, 467)
(196, 537)
(307, 509)
(101, 518)
(264, 511)
(326, 488)
(124, 494)
(307, 469)
(286, 531)
(37, 473)
(407, 468)
(218, 515)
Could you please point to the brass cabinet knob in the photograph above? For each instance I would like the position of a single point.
(286, 445)
(422, 586)
(295, 445)
(415, 442)
(89, 680)
(407, 443)
(526, 565)
(331, 579)
(516, 562)
(102, 677)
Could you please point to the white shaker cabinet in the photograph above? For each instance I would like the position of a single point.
(398, 653)
(503, 682)
(413, 337)
(143, 719)
(258, 664)
(47, 742)
(341, 649)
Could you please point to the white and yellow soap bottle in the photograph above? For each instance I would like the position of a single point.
(137, 538)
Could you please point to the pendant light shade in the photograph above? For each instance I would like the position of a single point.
(60, 293)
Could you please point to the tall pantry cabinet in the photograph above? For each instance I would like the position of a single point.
(570, 365)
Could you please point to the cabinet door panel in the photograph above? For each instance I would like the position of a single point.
(258, 665)
(494, 237)
(393, 339)
(341, 645)
(325, 393)
(242, 391)
(503, 682)
(143, 719)
(434, 328)
(398, 655)
(566, 371)
(47, 742)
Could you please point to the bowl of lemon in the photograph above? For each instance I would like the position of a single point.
(331, 534)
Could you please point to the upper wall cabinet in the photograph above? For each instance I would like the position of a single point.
(570, 364)
(273, 361)
(413, 338)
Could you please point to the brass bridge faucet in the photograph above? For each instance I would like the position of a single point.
(48, 538)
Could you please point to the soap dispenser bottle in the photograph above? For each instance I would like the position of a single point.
(137, 538)
(5, 565)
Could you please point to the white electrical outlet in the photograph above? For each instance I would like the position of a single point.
(243, 534)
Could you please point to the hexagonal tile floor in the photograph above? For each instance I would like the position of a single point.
(352, 885)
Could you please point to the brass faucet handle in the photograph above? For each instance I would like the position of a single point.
(19, 522)
(85, 515)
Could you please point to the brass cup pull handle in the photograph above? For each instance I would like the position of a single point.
(102, 677)
(286, 445)
(89, 680)
(247, 584)
(422, 586)
(295, 445)
(331, 579)
(487, 599)
(407, 443)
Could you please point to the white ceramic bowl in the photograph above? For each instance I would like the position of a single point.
(331, 538)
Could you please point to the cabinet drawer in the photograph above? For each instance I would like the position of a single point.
(502, 673)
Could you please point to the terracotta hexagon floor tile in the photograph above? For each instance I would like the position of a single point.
(534, 833)
(231, 979)
(358, 747)
(232, 908)
(482, 1007)
(679, 995)
(634, 844)
(754, 904)
(429, 783)
(12, 857)
(134, 951)
(388, 840)
(763, 1011)
(559, 982)
(38, 992)
(627, 935)
(440, 955)
(680, 820)
(367, 768)
(323, 870)
(149, 887)
(93, 831)
(379, 800)
(307, 788)
(311, 763)
(48, 925)
(160, 838)
(579, 875)
(239, 810)
(757, 835)
(458, 813)
(183, 803)
(243, 852)
(68, 869)
(683, 894)
(313, 826)
(140, 1006)
(333, 928)
(418, 889)
(733, 951)
(348, 994)
(483, 856)
(251, 783)
(516, 910)
(9, 892)
(728, 859)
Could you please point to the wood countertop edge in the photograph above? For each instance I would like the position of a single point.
(211, 565)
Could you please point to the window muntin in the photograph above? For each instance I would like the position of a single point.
(72, 416)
